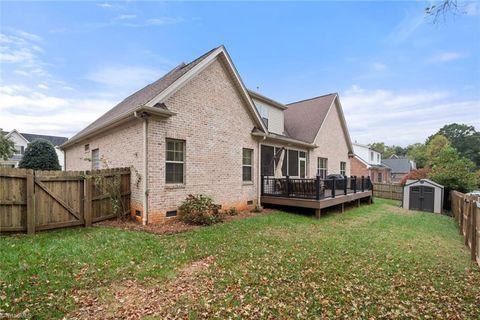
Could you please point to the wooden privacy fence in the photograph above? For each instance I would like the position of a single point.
(466, 210)
(388, 191)
(40, 200)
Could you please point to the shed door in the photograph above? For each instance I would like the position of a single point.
(422, 198)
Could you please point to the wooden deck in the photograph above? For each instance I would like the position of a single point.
(318, 205)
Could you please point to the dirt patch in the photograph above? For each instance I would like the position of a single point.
(396, 209)
(133, 300)
(174, 225)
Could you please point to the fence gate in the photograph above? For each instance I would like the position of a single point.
(59, 199)
(40, 200)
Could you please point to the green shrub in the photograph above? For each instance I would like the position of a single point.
(231, 212)
(200, 210)
(40, 155)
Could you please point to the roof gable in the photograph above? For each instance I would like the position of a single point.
(304, 119)
(155, 93)
(398, 165)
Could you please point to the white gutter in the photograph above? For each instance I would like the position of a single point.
(162, 113)
(144, 116)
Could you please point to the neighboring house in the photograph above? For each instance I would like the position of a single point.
(400, 166)
(21, 141)
(199, 130)
(368, 162)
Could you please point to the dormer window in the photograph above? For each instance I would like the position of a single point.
(263, 111)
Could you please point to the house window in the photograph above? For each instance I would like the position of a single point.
(293, 163)
(371, 156)
(19, 150)
(263, 111)
(247, 164)
(379, 177)
(378, 158)
(95, 159)
(343, 168)
(322, 167)
(302, 164)
(175, 161)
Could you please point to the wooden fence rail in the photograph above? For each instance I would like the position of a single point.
(466, 211)
(388, 191)
(40, 200)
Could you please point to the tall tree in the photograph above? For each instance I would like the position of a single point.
(40, 155)
(417, 152)
(453, 171)
(7, 147)
(434, 146)
(439, 10)
(464, 138)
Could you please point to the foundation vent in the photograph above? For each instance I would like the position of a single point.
(249, 202)
(172, 213)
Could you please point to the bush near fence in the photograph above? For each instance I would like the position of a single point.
(388, 191)
(466, 211)
(39, 200)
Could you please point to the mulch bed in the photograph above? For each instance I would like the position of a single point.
(173, 226)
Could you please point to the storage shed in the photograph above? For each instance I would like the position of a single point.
(423, 195)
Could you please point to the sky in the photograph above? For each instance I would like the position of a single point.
(399, 75)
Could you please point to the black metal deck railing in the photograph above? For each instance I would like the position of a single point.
(314, 188)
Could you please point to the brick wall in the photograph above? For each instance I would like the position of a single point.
(358, 168)
(332, 145)
(214, 122)
(121, 147)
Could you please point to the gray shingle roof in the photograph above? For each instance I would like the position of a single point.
(398, 165)
(55, 140)
(304, 118)
(143, 95)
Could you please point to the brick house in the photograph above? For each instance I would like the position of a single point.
(368, 163)
(199, 130)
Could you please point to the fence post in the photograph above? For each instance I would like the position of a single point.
(473, 232)
(363, 183)
(345, 182)
(333, 187)
(317, 188)
(288, 186)
(87, 204)
(30, 202)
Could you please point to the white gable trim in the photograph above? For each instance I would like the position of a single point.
(18, 133)
(219, 52)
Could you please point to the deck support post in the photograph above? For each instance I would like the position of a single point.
(317, 213)
(358, 203)
(317, 188)
(287, 179)
(343, 207)
(334, 186)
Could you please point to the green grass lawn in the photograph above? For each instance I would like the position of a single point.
(372, 261)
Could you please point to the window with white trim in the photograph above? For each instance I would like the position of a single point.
(247, 160)
(322, 167)
(175, 161)
(379, 177)
(95, 159)
(343, 168)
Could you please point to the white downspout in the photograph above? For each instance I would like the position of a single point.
(144, 116)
